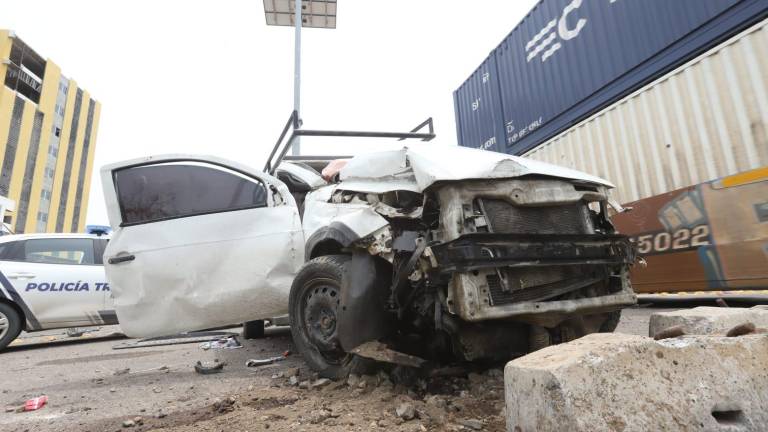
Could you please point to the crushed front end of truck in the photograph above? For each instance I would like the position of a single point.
(461, 255)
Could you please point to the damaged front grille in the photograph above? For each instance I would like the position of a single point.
(507, 286)
(504, 217)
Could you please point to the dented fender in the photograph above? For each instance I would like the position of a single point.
(364, 293)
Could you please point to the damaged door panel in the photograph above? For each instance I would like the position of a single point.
(212, 244)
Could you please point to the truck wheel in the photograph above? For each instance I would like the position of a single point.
(610, 323)
(314, 302)
(253, 329)
(10, 325)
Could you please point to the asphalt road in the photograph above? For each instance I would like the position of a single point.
(86, 390)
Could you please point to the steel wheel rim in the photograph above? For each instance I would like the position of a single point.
(5, 325)
(319, 318)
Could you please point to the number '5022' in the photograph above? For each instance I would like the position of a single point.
(684, 238)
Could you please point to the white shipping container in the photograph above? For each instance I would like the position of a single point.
(705, 120)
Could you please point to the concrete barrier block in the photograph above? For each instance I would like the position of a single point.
(618, 382)
(705, 320)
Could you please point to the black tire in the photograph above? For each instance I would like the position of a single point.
(314, 301)
(610, 323)
(14, 324)
(253, 329)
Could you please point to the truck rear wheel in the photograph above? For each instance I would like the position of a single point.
(314, 302)
(10, 325)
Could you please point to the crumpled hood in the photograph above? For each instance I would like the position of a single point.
(418, 167)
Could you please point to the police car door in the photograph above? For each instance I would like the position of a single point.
(56, 281)
(198, 242)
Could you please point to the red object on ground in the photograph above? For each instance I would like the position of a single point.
(35, 403)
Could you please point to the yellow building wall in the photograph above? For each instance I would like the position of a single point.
(89, 167)
(20, 162)
(5, 51)
(6, 96)
(47, 106)
(6, 109)
(75, 170)
(58, 178)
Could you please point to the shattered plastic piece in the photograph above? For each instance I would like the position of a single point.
(206, 370)
(35, 403)
(266, 361)
(230, 342)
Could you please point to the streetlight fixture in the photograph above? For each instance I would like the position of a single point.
(298, 14)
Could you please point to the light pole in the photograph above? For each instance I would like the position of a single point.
(298, 14)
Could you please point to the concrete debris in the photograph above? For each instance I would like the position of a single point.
(293, 380)
(613, 381)
(706, 320)
(319, 416)
(473, 424)
(304, 384)
(320, 383)
(353, 380)
(224, 405)
(670, 332)
(290, 372)
(121, 371)
(128, 423)
(406, 411)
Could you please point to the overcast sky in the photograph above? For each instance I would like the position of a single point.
(189, 76)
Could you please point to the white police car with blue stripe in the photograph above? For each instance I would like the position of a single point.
(52, 281)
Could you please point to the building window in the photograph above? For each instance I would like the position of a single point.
(57, 131)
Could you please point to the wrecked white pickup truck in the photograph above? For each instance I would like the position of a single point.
(429, 252)
(440, 252)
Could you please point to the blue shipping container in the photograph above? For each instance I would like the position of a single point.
(569, 58)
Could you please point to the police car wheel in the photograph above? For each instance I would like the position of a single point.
(314, 300)
(10, 325)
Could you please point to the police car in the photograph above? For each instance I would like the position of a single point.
(52, 281)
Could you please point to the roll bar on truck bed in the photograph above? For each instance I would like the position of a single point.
(294, 126)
